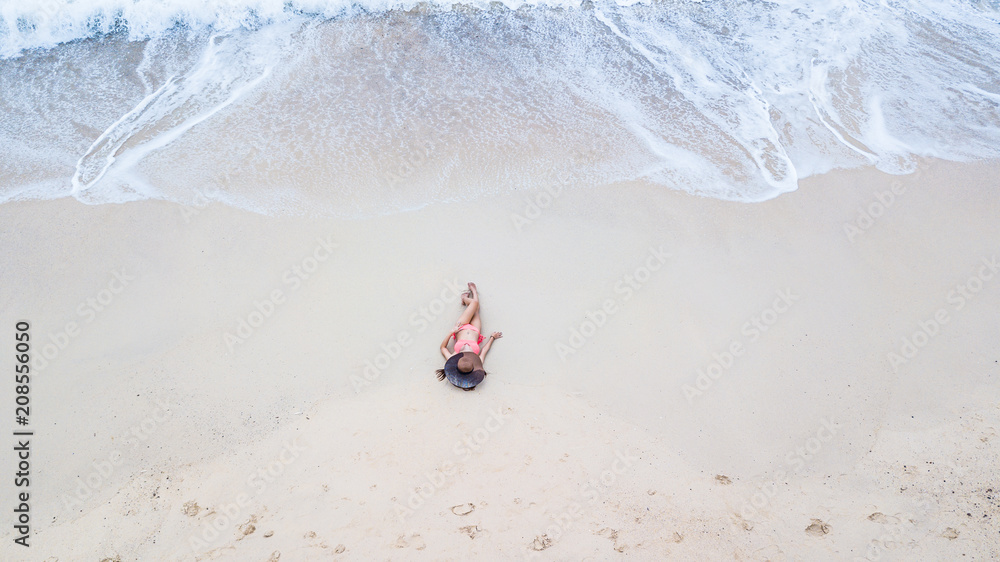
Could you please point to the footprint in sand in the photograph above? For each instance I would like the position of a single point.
(950, 533)
(191, 508)
(541, 543)
(818, 528)
(274, 556)
(471, 530)
(878, 517)
(743, 523)
(340, 549)
(311, 536)
(613, 535)
(413, 541)
(463, 509)
(724, 480)
(249, 527)
(882, 518)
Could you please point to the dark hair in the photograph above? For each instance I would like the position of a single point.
(441, 376)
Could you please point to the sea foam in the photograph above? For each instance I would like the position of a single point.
(361, 108)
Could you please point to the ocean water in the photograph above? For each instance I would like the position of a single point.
(353, 109)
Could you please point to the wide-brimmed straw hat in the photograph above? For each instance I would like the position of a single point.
(464, 370)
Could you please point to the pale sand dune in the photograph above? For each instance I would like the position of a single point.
(810, 445)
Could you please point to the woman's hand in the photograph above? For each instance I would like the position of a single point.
(489, 344)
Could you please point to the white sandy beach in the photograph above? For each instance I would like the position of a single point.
(166, 431)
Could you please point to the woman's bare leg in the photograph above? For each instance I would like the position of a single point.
(476, 320)
(471, 311)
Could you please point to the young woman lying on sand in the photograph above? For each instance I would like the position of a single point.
(464, 366)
